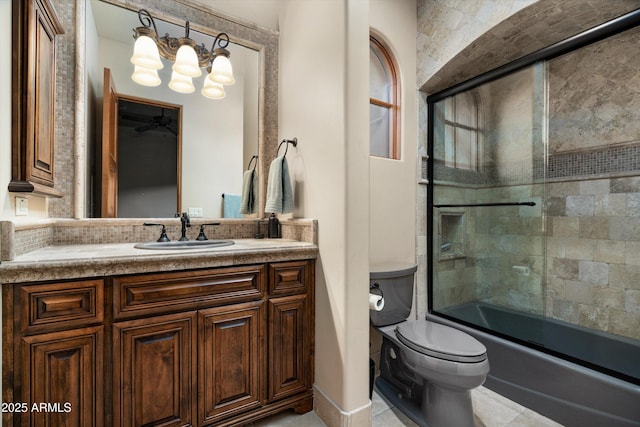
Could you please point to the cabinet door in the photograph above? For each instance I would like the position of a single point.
(289, 346)
(154, 371)
(231, 356)
(63, 378)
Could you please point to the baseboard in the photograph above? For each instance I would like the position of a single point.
(333, 416)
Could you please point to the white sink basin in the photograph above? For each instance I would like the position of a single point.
(188, 244)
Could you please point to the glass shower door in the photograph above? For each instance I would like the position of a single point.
(487, 205)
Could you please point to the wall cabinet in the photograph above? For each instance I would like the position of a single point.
(35, 27)
(213, 347)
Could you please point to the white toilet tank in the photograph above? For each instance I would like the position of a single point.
(395, 283)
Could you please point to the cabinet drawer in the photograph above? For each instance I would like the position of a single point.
(288, 278)
(185, 290)
(54, 306)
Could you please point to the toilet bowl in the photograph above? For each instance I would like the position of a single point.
(426, 369)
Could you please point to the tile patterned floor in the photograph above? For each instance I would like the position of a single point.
(491, 410)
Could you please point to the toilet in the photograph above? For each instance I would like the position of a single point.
(427, 370)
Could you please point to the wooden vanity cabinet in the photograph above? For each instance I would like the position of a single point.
(212, 347)
(57, 354)
(290, 338)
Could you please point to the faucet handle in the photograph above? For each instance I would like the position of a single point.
(163, 233)
(184, 217)
(202, 236)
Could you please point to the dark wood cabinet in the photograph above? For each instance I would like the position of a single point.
(53, 351)
(212, 347)
(154, 371)
(289, 346)
(62, 378)
(230, 360)
(35, 27)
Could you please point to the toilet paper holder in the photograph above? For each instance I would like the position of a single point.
(375, 286)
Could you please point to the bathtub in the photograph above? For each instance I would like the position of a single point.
(530, 374)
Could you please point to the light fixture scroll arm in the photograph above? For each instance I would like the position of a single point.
(147, 20)
(222, 40)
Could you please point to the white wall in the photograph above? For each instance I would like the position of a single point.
(393, 182)
(324, 102)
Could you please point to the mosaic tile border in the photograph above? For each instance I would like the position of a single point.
(583, 164)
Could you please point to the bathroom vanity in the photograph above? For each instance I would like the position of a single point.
(110, 335)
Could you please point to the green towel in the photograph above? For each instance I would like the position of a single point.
(279, 192)
(249, 203)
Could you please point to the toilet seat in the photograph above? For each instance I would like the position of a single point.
(443, 342)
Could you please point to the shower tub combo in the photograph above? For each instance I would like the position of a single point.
(533, 224)
(563, 390)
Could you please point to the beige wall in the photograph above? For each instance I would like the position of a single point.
(323, 101)
(392, 183)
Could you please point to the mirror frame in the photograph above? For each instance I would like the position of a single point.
(206, 21)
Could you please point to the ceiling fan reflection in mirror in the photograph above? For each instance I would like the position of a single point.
(156, 122)
(144, 117)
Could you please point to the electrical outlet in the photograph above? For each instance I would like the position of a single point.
(22, 206)
(195, 212)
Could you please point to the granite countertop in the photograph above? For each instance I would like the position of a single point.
(61, 262)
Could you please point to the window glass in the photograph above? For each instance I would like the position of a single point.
(384, 102)
(379, 84)
(380, 126)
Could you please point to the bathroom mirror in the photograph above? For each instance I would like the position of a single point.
(218, 137)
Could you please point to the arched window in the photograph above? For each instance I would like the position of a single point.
(384, 101)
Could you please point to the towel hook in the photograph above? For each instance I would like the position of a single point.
(293, 142)
(256, 163)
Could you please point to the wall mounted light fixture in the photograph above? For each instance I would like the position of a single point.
(187, 56)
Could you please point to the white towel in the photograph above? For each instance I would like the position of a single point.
(249, 203)
(279, 192)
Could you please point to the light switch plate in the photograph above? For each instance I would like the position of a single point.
(195, 212)
(22, 206)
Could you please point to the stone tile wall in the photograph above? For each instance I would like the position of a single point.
(581, 264)
(593, 254)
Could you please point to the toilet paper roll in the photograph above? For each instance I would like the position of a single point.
(376, 302)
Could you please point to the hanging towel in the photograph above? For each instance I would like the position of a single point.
(279, 192)
(231, 206)
(249, 203)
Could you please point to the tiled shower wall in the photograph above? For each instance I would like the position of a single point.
(593, 254)
(593, 257)
(580, 264)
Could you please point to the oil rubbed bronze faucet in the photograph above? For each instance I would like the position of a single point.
(185, 221)
(163, 235)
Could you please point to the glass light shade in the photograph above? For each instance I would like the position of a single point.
(222, 71)
(187, 62)
(181, 83)
(145, 53)
(212, 90)
(145, 76)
